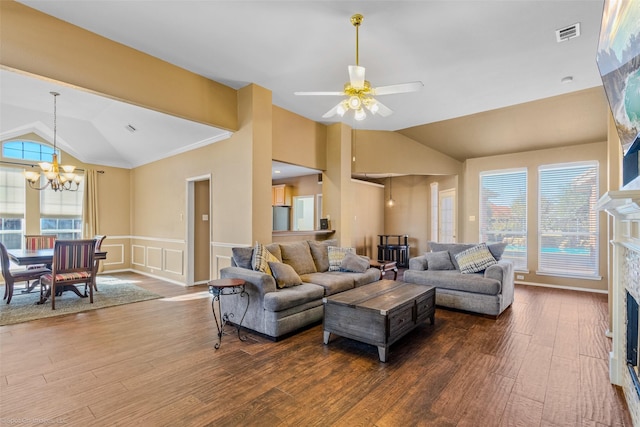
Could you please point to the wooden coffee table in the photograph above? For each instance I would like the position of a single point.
(379, 313)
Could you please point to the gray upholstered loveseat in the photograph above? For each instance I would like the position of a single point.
(489, 291)
(275, 311)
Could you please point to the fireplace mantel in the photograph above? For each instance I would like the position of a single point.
(624, 207)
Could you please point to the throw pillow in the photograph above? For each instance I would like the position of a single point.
(242, 257)
(475, 259)
(453, 248)
(439, 261)
(336, 254)
(497, 249)
(354, 263)
(284, 274)
(320, 253)
(298, 256)
(261, 259)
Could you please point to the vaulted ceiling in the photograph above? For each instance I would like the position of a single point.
(481, 62)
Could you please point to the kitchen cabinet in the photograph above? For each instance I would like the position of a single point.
(281, 195)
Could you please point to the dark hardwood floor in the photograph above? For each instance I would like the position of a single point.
(544, 362)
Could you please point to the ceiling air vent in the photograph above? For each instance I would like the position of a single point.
(567, 33)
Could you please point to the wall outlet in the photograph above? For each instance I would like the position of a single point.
(520, 277)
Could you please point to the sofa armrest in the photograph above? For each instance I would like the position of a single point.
(418, 263)
(264, 283)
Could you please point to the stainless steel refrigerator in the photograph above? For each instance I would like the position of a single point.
(281, 218)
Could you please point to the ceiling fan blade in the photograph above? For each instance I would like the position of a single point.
(356, 76)
(320, 93)
(332, 112)
(383, 110)
(399, 88)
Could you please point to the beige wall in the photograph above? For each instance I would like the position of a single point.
(298, 140)
(469, 230)
(368, 217)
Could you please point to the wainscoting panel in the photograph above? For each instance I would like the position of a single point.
(174, 261)
(154, 257)
(115, 254)
(221, 261)
(138, 255)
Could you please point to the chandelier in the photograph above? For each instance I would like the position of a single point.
(57, 180)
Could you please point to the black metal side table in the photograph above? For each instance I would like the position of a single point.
(220, 287)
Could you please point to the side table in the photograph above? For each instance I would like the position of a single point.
(385, 266)
(220, 287)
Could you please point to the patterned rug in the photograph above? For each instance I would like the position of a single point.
(112, 292)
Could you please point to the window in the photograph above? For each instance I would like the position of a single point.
(27, 150)
(61, 212)
(12, 207)
(503, 212)
(568, 223)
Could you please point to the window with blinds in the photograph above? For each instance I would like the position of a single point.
(568, 223)
(61, 212)
(12, 207)
(503, 212)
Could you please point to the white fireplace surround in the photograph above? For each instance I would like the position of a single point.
(624, 207)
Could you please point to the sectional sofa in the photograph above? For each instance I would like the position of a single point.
(282, 301)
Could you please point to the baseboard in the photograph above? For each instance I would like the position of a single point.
(568, 288)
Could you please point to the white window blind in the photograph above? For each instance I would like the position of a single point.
(12, 207)
(503, 212)
(56, 204)
(568, 224)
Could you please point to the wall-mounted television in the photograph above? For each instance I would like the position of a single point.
(618, 60)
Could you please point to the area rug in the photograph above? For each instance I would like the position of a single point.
(112, 292)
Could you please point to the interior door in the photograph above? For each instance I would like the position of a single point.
(447, 216)
(202, 233)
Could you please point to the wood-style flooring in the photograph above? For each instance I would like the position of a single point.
(544, 362)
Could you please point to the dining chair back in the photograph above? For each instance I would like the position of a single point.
(39, 241)
(99, 239)
(73, 263)
(10, 278)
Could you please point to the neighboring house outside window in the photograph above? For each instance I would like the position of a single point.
(568, 223)
(503, 212)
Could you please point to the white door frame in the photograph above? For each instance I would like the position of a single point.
(190, 224)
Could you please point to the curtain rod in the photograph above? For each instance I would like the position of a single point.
(32, 165)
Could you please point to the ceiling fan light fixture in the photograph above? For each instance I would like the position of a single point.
(360, 114)
(355, 102)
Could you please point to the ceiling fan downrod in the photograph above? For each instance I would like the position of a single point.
(356, 20)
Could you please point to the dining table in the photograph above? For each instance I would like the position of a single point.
(26, 257)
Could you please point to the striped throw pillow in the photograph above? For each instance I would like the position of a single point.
(336, 255)
(475, 259)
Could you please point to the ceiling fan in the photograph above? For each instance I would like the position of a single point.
(358, 93)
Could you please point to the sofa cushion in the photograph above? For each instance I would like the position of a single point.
(320, 253)
(298, 256)
(261, 258)
(453, 249)
(354, 263)
(439, 261)
(294, 296)
(475, 259)
(274, 249)
(284, 274)
(242, 257)
(497, 249)
(454, 280)
(332, 281)
(336, 254)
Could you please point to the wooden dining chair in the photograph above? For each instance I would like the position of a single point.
(99, 239)
(73, 263)
(34, 242)
(10, 278)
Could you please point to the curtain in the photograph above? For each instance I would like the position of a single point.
(90, 207)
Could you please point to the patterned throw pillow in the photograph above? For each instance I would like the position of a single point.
(475, 259)
(336, 255)
(261, 259)
(284, 274)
